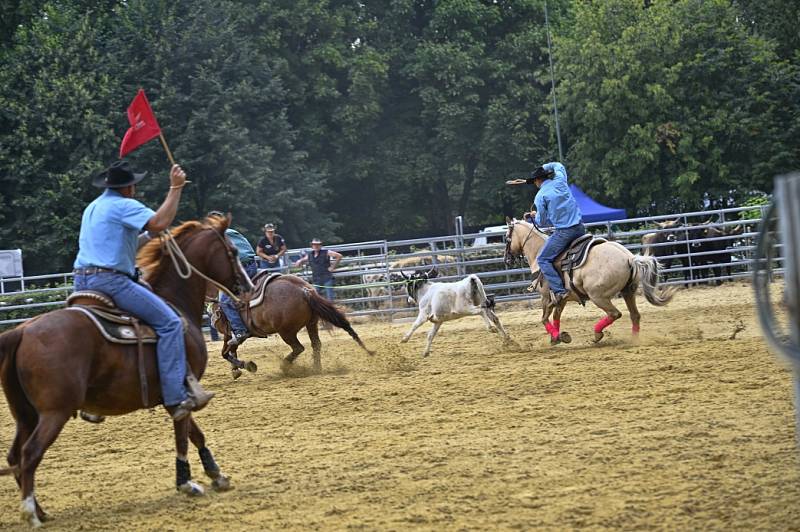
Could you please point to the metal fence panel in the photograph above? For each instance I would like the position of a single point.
(365, 285)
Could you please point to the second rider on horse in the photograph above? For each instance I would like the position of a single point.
(556, 206)
(106, 263)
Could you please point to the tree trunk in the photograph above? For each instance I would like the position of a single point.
(440, 205)
(469, 178)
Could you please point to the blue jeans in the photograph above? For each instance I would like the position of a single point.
(147, 306)
(269, 266)
(251, 269)
(229, 307)
(327, 289)
(232, 313)
(558, 242)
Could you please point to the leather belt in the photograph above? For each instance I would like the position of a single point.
(97, 269)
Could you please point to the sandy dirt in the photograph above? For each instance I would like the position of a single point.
(684, 429)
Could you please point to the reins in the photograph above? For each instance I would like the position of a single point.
(185, 268)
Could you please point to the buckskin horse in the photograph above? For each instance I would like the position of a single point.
(609, 269)
(59, 363)
(284, 304)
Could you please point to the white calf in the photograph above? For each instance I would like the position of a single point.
(441, 302)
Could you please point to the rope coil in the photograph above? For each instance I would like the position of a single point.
(186, 268)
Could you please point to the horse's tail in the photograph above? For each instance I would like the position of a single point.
(9, 342)
(646, 270)
(327, 311)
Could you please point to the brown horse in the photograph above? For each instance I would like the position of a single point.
(289, 304)
(58, 363)
(610, 269)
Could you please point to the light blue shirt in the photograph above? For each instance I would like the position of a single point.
(246, 251)
(109, 230)
(555, 204)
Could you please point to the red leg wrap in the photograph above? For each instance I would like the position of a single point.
(551, 329)
(603, 323)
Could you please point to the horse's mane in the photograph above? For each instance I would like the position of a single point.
(149, 257)
(529, 226)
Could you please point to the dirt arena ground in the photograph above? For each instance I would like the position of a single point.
(690, 428)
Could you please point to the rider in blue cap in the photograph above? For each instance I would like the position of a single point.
(556, 207)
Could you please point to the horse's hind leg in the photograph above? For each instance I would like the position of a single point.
(183, 472)
(47, 430)
(25, 427)
(612, 315)
(297, 348)
(629, 294)
(219, 481)
(316, 344)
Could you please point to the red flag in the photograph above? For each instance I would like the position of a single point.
(144, 126)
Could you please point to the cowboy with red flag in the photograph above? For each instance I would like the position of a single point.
(106, 260)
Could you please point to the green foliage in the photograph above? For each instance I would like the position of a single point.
(353, 120)
(754, 201)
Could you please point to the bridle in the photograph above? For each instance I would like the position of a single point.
(510, 258)
(185, 269)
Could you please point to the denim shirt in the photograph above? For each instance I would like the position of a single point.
(109, 232)
(555, 204)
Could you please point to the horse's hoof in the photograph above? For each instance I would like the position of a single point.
(221, 483)
(565, 337)
(192, 489)
(251, 366)
(555, 340)
(236, 372)
(598, 336)
(28, 512)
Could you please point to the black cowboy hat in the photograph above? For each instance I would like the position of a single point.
(117, 175)
(541, 173)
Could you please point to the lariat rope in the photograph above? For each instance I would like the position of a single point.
(186, 268)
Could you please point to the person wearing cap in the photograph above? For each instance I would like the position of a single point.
(248, 259)
(106, 262)
(319, 260)
(557, 207)
(271, 248)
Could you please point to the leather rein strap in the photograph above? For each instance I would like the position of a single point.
(185, 268)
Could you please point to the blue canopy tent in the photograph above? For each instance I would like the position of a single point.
(593, 211)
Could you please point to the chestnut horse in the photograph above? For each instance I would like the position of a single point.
(289, 304)
(610, 269)
(58, 363)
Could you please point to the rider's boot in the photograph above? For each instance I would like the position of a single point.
(198, 399)
(197, 393)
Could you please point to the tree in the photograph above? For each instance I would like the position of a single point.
(674, 105)
(54, 126)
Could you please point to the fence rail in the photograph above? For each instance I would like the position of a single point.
(364, 279)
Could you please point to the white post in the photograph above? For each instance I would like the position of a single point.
(787, 202)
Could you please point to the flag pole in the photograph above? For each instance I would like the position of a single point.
(166, 148)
